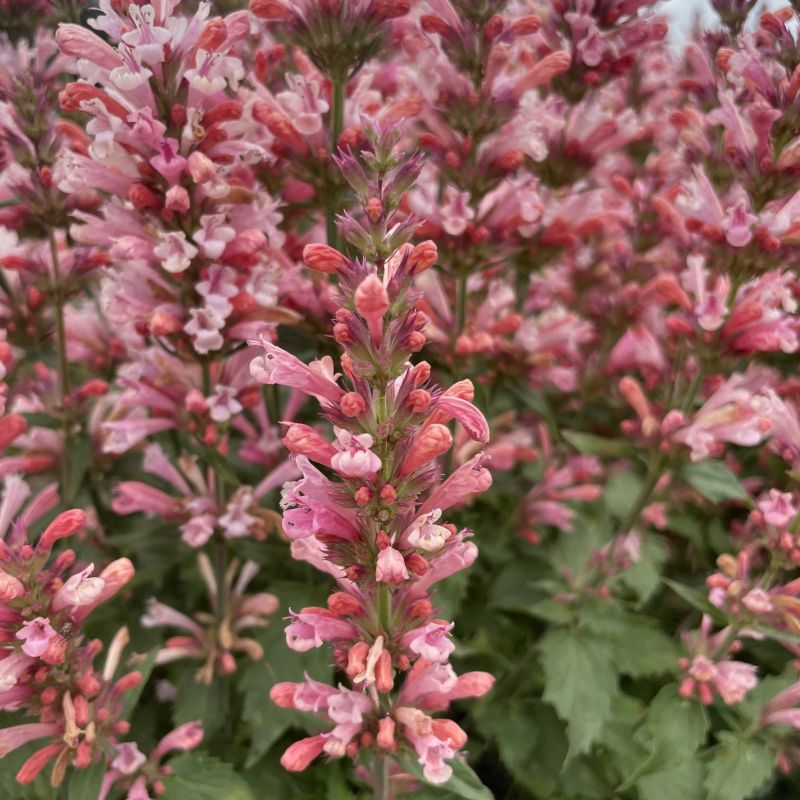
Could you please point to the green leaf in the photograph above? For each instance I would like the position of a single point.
(464, 784)
(643, 576)
(86, 783)
(673, 730)
(738, 769)
(209, 703)
(530, 738)
(714, 481)
(197, 776)
(79, 450)
(591, 445)
(620, 493)
(680, 781)
(145, 669)
(580, 682)
(637, 645)
(696, 599)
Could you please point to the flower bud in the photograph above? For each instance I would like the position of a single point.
(352, 404)
(322, 258)
(428, 444)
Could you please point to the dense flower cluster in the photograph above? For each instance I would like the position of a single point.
(536, 265)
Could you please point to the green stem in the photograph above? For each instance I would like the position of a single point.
(206, 365)
(337, 125)
(381, 778)
(461, 303)
(385, 608)
(642, 499)
(337, 111)
(63, 363)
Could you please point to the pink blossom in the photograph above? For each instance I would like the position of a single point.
(312, 626)
(354, 458)
(431, 641)
(36, 635)
(391, 567)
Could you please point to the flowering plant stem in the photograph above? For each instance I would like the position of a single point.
(63, 362)
(337, 124)
(381, 778)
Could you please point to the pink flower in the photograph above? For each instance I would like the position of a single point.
(354, 458)
(36, 635)
(431, 641)
(391, 567)
(311, 627)
(778, 508)
(424, 534)
(79, 590)
(128, 759)
(278, 366)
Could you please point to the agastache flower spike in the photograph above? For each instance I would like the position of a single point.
(390, 431)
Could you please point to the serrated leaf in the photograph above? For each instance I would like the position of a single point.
(681, 781)
(738, 769)
(197, 776)
(714, 481)
(637, 646)
(580, 682)
(531, 741)
(673, 729)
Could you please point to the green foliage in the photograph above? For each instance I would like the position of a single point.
(738, 768)
(580, 681)
(715, 481)
(197, 776)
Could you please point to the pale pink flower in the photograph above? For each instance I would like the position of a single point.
(354, 459)
(391, 567)
(36, 635)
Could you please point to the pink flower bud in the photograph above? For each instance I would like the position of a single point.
(29, 771)
(177, 199)
(423, 257)
(11, 426)
(305, 441)
(282, 694)
(372, 302)
(343, 604)
(65, 524)
(352, 404)
(299, 755)
(195, 403)
(10, 587)
(357, 659)
(385, 738)
(428, 444)
(448, 731)
(201, 167)
(322, 258)
(388, 494)
(384, 679)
